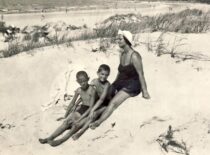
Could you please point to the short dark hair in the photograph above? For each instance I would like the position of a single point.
(127, 42)
(82, 73)
(104, 67)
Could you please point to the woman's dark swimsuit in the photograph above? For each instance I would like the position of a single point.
(128, 80)
(105, 103)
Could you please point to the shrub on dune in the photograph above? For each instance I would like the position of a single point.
(187, 21)
(55, 33)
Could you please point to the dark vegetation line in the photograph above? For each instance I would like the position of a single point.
(187, 21)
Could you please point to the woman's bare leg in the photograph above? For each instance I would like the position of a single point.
(119, 98)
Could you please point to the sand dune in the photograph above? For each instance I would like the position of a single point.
(28, 81)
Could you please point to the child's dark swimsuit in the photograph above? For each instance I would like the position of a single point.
(128, 80)
(82, 109)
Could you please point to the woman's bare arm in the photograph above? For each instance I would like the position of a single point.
(137, 62)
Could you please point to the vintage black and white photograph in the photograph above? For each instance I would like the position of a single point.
(105, 77)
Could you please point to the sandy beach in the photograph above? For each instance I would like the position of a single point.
(31, 82)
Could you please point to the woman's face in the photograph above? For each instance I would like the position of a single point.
(121, 42)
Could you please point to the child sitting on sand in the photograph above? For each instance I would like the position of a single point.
(103, 90)
(88, 97)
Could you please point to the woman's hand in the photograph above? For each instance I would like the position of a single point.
(146, 95)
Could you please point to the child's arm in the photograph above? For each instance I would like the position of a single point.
(72, 103)
(92, 101)
(92, 82)
(70, 108)
(77, 103)
(101, 99)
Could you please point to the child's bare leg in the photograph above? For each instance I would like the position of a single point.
(86, 126)
(72, 131)
(120, 97)
(56, 133)
(65, 138)
(59, 130)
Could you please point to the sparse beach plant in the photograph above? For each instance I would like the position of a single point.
(161, 46)
(149, 44)
(176, 43)
(13, 49)
(27, 37)
(85, 35)
(104, 44)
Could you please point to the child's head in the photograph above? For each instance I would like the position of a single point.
(82, 79)
(103, 72)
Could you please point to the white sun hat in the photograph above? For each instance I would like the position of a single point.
(127, 34)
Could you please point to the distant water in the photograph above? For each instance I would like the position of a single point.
(91, 17)
(78, 18)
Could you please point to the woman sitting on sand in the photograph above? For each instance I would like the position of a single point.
(130, 80)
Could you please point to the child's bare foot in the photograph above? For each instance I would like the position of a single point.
(76, 136)
(54, 143)
(43, 141)
(94, 125)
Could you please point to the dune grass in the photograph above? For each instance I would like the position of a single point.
(187, 21)
(15, 47)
